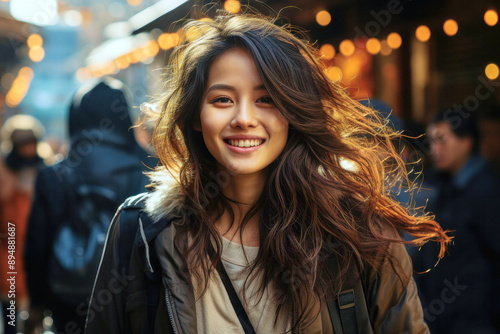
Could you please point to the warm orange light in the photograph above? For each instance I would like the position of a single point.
(27, 73)
(163, 41)
(131, 58)
(206, 19)
(19, 87)
(151, 49)
(347, 48)
(334, 73)
(232, 6)
(94, 70)
(373, 46)
(138, 55)
(491, 17)
(10, 101)
(492, 71)
(86, 16)
(83, 74)
(34, 40)
(134, 2)
(122, 62)
(423, 33)
(175, 38)
(450, 27)
(328, 51)
(323, 18)
(394, 40)
(108, 68)
(167, 41)
(36, 54)
(385, 49)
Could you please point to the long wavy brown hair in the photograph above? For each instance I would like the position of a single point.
(327, 194)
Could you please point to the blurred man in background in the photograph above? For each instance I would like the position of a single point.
(75, 200)
(460, 294)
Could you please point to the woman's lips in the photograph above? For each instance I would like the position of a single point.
(240, 145)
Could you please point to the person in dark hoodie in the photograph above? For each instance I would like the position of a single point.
(460, 295)
(103, 153)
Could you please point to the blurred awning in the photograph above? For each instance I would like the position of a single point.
(114, 48)
(160, 15)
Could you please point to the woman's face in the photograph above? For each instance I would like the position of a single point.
(241, 126)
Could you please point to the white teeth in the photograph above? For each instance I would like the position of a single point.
(245, 143)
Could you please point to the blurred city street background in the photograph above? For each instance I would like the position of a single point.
(410, 58)
(417, 56)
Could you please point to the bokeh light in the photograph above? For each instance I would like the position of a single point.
(168, 40)
(134, 2)
(423, 33)
(323, 18)
(450, 27)
(373, 46)
(34, 40)
(492, 71)
(151, 49)
(122, 62)
(334, 73)
(347, 48)
(327, 51)
(232, 6)
(36, 54)
(385, 49)
(491, 17)
(19, 87)
(394, 40)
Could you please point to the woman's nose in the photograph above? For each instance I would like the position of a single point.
(244, 115)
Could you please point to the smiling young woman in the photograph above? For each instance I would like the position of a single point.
(253, 139)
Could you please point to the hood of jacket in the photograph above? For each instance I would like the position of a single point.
(100, 113)
(103, 149)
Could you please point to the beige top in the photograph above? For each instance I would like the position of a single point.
(214, 311)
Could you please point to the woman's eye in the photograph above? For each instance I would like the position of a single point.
(222, 99)
(265, 99)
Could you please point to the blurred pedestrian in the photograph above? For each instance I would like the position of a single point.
(269, 204)
(20, 138)
(104, 165)
(489, 133)
(461, 294)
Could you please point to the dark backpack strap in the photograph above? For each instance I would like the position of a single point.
(235, 300)
(347, 309)
(129, 223)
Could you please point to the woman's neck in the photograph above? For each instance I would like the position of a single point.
(244, 189)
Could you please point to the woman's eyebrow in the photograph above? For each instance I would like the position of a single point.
(220, 86)
(228, 87)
